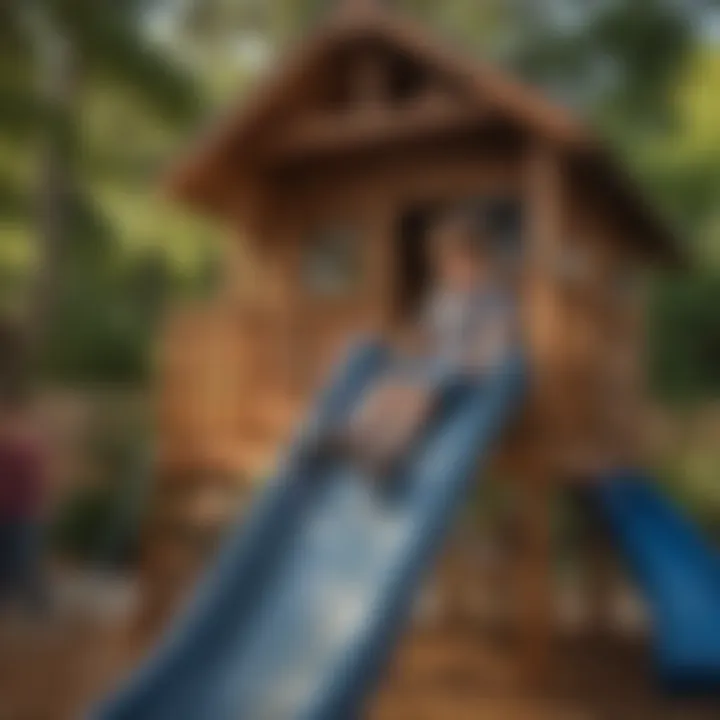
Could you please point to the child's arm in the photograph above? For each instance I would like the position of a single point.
(490, 349)
(491, 344)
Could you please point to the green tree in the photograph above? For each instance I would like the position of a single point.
(55, 54)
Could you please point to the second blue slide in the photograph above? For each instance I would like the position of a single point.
(678, 571)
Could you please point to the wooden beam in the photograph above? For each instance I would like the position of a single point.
(545, 213)
(534, 586)
(359, 130)
(369, 81)
(545, 230)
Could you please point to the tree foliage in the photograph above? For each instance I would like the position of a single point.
(54, 187)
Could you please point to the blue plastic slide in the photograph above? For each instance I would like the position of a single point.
(308, 598)
(679, 573)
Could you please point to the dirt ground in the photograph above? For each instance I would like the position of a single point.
(50, 671)
(458, 673)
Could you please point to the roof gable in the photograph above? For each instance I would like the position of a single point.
(294, 82)
(462, 91)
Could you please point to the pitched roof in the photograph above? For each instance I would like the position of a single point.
(525, 105)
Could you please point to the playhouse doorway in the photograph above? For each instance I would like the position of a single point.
(503, 218)
(413, 269)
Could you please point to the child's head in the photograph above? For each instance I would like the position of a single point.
(461, 248)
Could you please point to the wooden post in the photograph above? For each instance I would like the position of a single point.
(285, 261)
(545, 220)
(535, 576)
(383, 262)
(600, 574)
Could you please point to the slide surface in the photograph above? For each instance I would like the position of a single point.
(679, 573)
(307, 599)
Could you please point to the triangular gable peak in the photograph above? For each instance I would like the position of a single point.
(367, 94)
(360, 61)
(370, 76)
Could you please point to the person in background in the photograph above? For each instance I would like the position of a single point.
(21, 504)
(466, 330)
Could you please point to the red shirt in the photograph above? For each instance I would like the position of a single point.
(20, 480)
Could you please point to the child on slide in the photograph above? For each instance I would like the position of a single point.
(465, 330)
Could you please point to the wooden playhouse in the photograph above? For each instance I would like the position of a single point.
(325, 178)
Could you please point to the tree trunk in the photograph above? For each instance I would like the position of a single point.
(58, 70)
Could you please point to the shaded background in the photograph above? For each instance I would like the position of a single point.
(96, 96)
